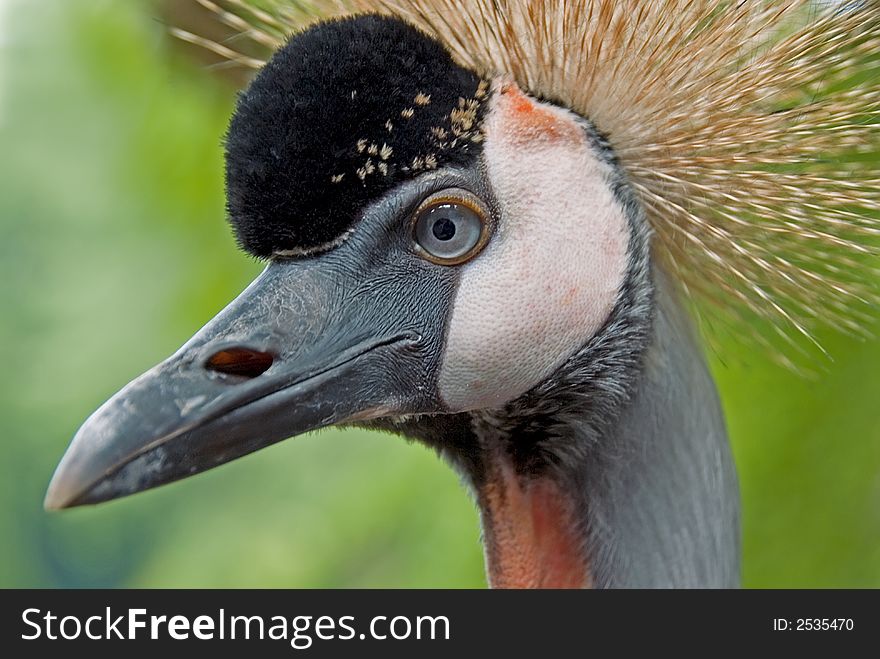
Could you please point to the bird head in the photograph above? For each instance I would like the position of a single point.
(442, 250)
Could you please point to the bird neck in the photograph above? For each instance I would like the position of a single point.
(660, 494)
(652, 501)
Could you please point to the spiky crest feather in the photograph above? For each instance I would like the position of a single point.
(750, 131)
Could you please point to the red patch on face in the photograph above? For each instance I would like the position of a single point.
(532, 534)
(527, 121)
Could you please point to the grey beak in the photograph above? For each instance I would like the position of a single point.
(294, 352)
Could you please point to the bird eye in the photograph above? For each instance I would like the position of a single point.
(451, 227)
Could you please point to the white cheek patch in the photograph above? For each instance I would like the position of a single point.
(551, 273)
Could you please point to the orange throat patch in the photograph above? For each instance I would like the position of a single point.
(531, 533)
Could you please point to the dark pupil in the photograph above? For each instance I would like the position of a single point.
(443, 229)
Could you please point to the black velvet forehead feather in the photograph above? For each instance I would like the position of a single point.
(342, 113)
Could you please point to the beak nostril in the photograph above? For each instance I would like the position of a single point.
(240, 361)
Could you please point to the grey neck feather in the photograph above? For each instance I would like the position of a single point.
(660, 492)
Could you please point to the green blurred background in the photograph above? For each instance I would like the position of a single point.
(114, 251)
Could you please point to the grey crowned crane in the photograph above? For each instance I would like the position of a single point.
(485, 225)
